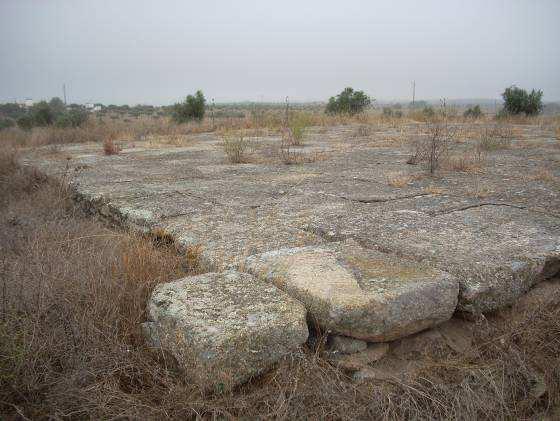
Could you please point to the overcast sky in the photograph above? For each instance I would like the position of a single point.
(155, 52)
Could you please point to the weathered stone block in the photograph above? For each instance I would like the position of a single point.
(224, 328)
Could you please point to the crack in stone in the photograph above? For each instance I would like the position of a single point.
(479, 205)
(381, 199)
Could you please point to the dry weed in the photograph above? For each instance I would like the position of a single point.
(543, 174)
(399, 180)
(236, 146)
(434, 190)
(109, 146)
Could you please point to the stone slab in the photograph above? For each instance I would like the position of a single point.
(360, 293)
(224, 328)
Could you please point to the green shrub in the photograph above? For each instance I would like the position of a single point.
(297, 125)
(348, 102)
(72, 118)
(192, 108)
(236, 146)
(6, 123)
(428, 112)
(473, 112)
(25, 122)
(517, 101)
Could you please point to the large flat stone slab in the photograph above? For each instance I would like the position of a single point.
(360, 293)
(496, 251)
(497, 231)
(224, 328)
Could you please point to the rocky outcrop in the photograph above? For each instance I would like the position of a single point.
(224, 328)
(364, 294)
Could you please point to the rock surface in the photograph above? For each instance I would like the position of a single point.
(346, 345)
(496, 252)
(497, 231)
(360, 293)
(224, 328)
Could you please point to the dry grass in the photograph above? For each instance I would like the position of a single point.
(466, 162)
(436, 191)
(543, 174)
(496, 138)
(399, 180)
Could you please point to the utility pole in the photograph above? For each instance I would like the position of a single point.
(287, 112)
(64, 92)
(213, 125)
(413, 92)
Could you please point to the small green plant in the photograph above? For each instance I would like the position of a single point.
(297, 126)
(349, 102)
(518, 101)
(387, 112)
(236, 146)
(192, 108)
(428, 112)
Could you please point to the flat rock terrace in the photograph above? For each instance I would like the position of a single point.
(345, 235)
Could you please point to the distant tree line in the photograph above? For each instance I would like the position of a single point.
(43, 113)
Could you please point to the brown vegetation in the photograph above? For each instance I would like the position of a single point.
(110, 147)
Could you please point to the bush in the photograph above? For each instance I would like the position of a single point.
(297, 125)
(25, 122)
(192, 108)
(236, 146)
(387, 112)
(72, 118)
(110, 147)
(473, 112)
(428, 112)
(517, 101)
(348, 102)
(6, 123)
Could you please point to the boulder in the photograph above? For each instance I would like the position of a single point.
(224, 328)
(361, 293)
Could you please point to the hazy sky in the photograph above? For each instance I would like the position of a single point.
(156, 52)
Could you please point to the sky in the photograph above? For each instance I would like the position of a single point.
(157, 52)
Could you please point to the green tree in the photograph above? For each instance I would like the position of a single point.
(42, 114)
(517, 101)
(348, 102)
(192, 108)
(57, 106)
